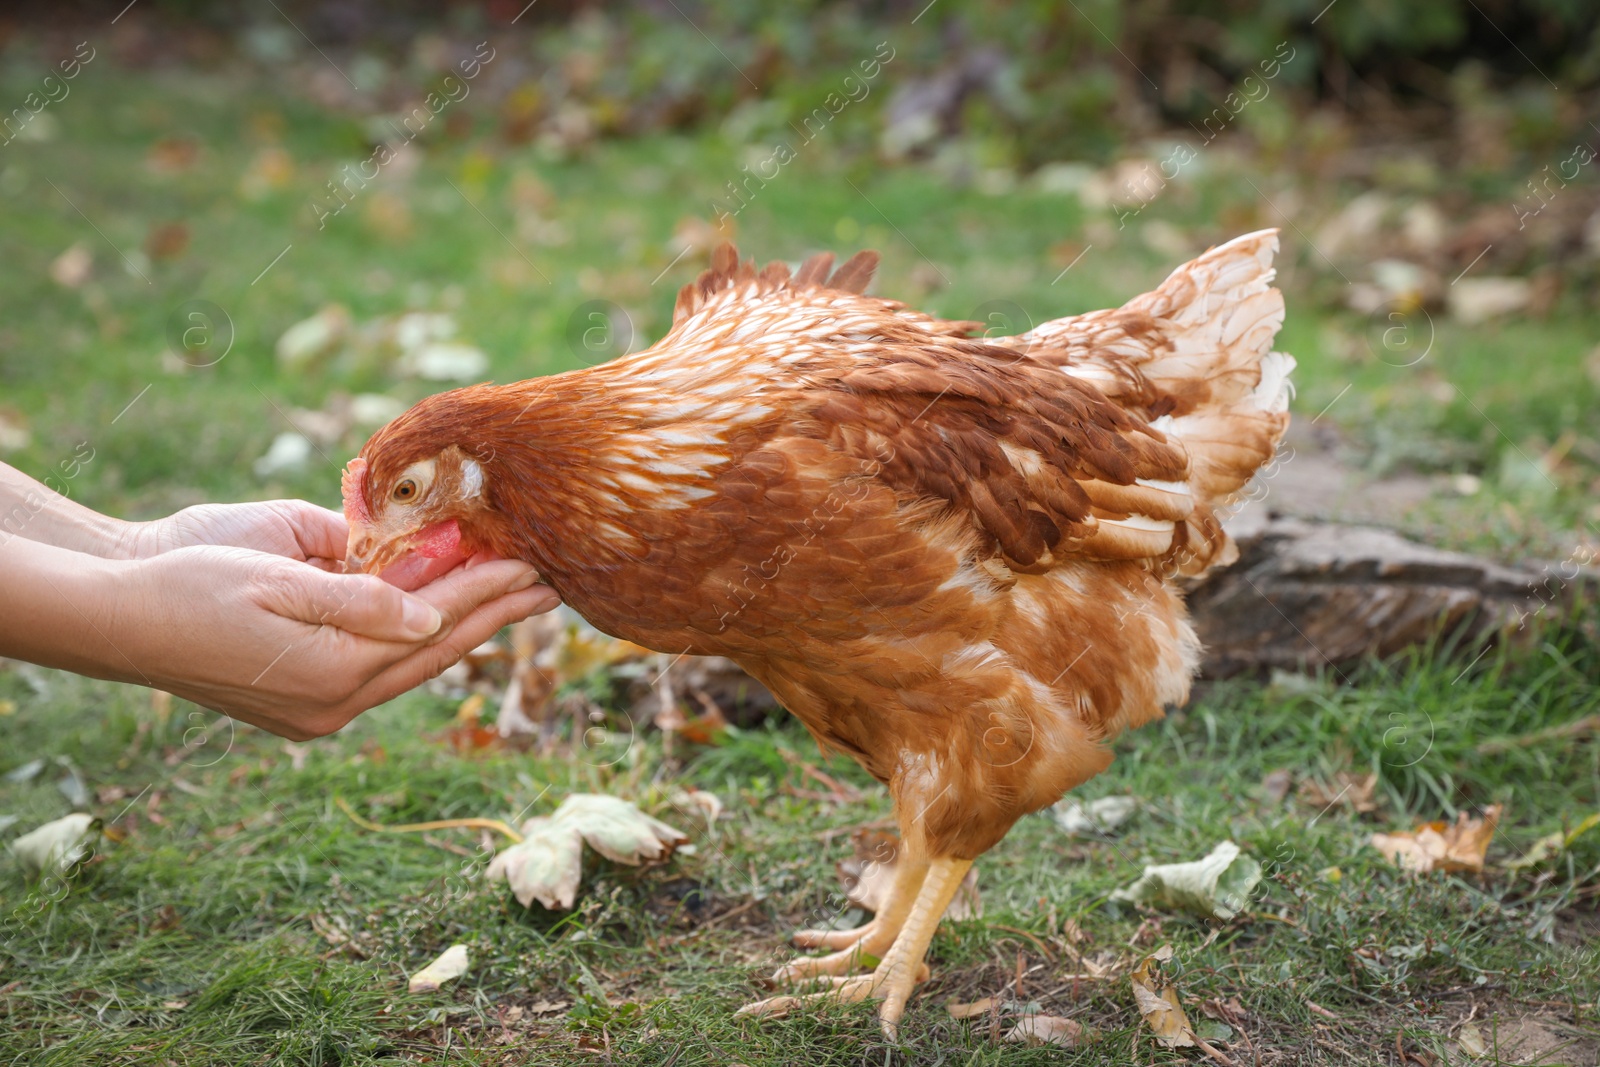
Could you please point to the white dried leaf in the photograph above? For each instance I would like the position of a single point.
(1097, 817)
(1035, 1030)
(311, 339)
(371, 410)
(57, 847)
(1475, 300)
(703, 801)
(548, 863)
(1215, 887)
(618, 830)
(416, 328)
(544, 866)
(445, 361)
(451, 964)
(289, 452)
(14, 433)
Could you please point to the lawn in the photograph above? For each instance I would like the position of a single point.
(241, 917)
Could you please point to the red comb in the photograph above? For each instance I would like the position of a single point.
(355, 497)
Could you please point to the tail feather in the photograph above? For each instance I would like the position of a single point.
(1194, 356)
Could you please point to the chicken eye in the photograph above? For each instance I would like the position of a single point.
(405, 491)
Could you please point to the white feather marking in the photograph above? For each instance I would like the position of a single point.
(1181, 488)
(1275, 389)
(1142, 523)
(471, 479)
(637, 481)
(681, 437)
(1088, 372)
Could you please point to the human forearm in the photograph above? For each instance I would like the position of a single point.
(56, 610)
(267, 639)
(36, 511)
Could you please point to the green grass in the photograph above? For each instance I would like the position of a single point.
(204, 938)
(200, 938)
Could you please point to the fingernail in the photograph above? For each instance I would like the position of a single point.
(421, 618)
(524, 582)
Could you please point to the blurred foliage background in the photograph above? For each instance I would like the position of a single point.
(1429, 161)
(239, 236)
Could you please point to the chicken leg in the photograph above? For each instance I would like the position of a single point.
(899, 970)
(870, 939)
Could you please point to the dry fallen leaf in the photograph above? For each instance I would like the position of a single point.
(700, 801)
(72, 267)
(452, 963)
(547, 864)
(1217, 886)
(1441, 846)
(1276, 785)
(1035, 1030)
(1552, 845)
(172, 155)
(1471, 1040)
(1158, 1001)
(970, 1010)
(1354, 791)
(869, 874)
(168, 240)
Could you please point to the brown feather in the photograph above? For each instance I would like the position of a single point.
(948, 555)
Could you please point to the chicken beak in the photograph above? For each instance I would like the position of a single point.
(361, 552)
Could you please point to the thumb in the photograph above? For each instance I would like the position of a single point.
(357, 603)
(320, 533)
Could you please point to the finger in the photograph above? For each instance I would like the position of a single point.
(358, 603)
(321, 533)
(474, 629)
(460, 592)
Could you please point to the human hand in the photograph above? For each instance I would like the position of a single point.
(292, 648)
(291, 528)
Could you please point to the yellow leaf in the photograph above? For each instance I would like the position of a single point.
(1471, 1040)
(452, 963)
(1441, 846)
(1157, 1000)
(958, 1010)
(471, 710)
(1551, 845)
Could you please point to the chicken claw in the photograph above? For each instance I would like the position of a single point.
(901, 968)
(835, 939)
(833, 964)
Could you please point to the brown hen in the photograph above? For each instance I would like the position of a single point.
(950, 556)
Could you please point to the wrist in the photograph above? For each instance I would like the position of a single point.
(63, 609)
(131, 541)
(107, 537)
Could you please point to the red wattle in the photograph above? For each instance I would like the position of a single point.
(439, 540)
(436, 551)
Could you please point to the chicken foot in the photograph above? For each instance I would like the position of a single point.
(900, 970)
(870, 939)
